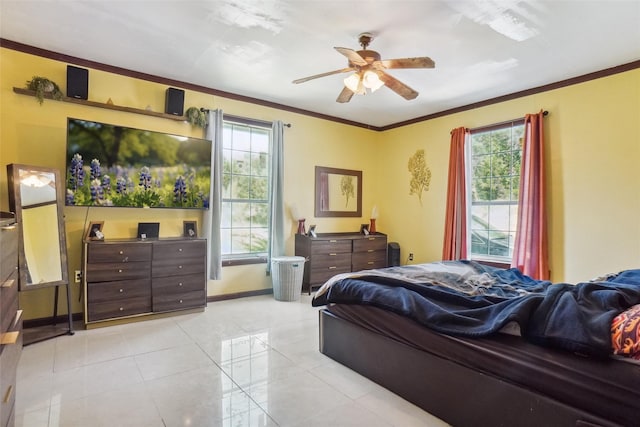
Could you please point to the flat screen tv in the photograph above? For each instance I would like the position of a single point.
(110, 165)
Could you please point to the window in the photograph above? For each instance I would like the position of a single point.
(245, 191)
(496, 154)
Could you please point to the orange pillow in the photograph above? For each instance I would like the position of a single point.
(625, 332)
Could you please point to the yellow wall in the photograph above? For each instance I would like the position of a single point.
(592, 152)
(593, 147)
(36, 135)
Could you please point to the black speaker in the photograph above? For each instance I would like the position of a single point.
(174, 101)
(77, 82)
(393, 254)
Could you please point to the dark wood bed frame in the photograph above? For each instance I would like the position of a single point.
(457, 394)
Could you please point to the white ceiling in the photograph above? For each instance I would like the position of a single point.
(482, 49)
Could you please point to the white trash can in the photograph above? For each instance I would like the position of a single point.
(286, 277)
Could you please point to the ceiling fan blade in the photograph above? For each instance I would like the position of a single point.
(422, 62)
(352, 55)
(397, 86)
(329, 73)
(345, 95)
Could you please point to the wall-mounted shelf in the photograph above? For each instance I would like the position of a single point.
(28, 92)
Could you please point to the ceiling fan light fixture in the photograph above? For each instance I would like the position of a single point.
(352, 82)
(372, 81)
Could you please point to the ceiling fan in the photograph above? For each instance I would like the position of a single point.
(369, 71)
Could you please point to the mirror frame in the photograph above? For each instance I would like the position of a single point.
(318, 196)
(15, 204)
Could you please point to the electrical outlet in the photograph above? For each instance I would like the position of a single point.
(78, 276)
(410, 256)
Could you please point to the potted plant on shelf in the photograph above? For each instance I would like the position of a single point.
(196, 117)
(42, 86)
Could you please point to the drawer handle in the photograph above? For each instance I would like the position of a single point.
(8, 227)
(180, 301)
(121, 308)
(119, 270)
(372, 238)
(370, 262)
(179, 267)
(180, 284)
(8, 283)
(180, 250)
(332, 267)
(121, 291)
(121, 252)
(333, 241)
(369, 250)
(333, 254)
(7, 395)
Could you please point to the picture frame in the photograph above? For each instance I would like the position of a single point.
(312, 230)
(190, 229)
(94, 231)
(364, 229)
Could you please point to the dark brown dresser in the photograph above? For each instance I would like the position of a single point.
(329, 254)
(127, 278)
(10, 318)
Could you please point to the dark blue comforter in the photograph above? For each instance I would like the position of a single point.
(481, 300)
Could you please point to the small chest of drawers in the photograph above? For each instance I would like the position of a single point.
(10, 318)
(333, 253)
(125, 278)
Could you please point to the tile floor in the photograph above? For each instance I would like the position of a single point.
(244, 362)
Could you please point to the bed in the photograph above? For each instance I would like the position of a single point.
(480, 346)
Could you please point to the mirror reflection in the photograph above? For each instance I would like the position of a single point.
(35, 195)
(338, 192)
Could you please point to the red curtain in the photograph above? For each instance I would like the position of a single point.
(455, 227)
(531, 253)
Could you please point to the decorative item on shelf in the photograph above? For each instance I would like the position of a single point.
(312, 231)
(196, 117)
(42, 86)
(190, 229)
(148, 230)
(296, 215)
(374, 216)
(94, 231)
(364, 229)
(301, 229)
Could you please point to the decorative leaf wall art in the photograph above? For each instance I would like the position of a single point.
(420, 175)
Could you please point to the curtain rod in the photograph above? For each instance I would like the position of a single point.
(262, 122)
(498, 125)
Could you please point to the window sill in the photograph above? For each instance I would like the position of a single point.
(244, 261)
(493, 263)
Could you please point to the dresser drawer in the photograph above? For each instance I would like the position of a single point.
(368, 260)
(323, 267)
(9, 245)
(370, 244)
(8, 300)
(320, 276)
(179, 266)
(109, 272)
(331, 246)
(122, 289)
(179, 250)
(119, 308)
(330, 262)
(9, 358)
(178, 284)
(180, 301)
(120, 252)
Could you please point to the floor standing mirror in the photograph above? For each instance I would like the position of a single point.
(36, 196)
